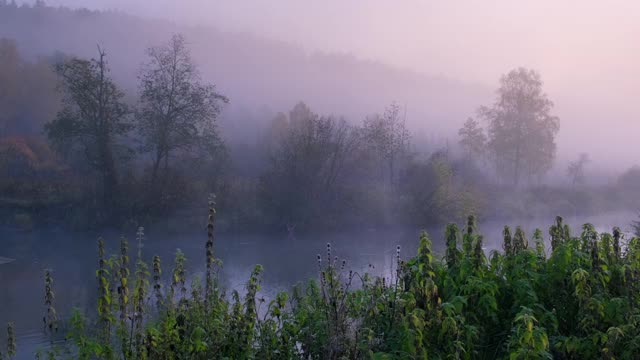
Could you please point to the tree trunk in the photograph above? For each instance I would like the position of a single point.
(156, 165)
(109, 176)
(516, 170)
(391, 173)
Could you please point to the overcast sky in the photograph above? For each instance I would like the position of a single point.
(572, 43)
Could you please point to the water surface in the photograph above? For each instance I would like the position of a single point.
(287, 260)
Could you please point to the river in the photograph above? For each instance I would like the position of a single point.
(287, 260)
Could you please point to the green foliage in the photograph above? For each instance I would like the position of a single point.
(580, 301)
(528, 340)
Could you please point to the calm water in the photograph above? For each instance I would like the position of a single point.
(286, 260)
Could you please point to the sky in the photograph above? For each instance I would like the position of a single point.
(587, 51)
(572, 43)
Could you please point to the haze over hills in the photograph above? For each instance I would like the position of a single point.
(260, 76)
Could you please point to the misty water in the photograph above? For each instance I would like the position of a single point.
(287, 260)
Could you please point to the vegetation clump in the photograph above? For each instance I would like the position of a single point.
(577, 301)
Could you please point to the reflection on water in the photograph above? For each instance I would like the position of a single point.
(286, 260)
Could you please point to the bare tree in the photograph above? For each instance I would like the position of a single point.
(93, 116)
(521, 128)
(177, 111)
(309, 159)
(575, 170)
(388, 137)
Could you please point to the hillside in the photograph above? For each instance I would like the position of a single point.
(259, 76)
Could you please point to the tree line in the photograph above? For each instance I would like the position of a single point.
(77, 148)
(139, 158)
(175, 113)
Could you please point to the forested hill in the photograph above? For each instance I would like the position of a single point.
(258, 75)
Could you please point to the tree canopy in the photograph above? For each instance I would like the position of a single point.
(177, 111)
(92, 117)
(521, 128)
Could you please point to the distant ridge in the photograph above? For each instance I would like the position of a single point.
(260, 76)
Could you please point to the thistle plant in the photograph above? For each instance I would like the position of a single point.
(142, 281)
(617, 236)
(539, 242)
(596, 261)
(527, 340)
(157, 285)
(12, 348)
(606, 248)
(479, 258)
(588, 236)
(252, 287)
(507, 244)
(139, 294)
(124, 332)
(579, 303)
(105, 317)
(468, 238)
(520, 242)
(332, 302)
(559, 233)
(51, 317)
(423, 281)
(209, 252)
(123, 276)
(453, 254)
(179, 279)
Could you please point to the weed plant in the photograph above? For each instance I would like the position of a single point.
(577, 300)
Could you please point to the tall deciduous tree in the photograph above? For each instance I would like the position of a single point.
(388, 138)
(177, 110)
(522, 129)
(472, 139)
(92, 118)
(309, 161)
